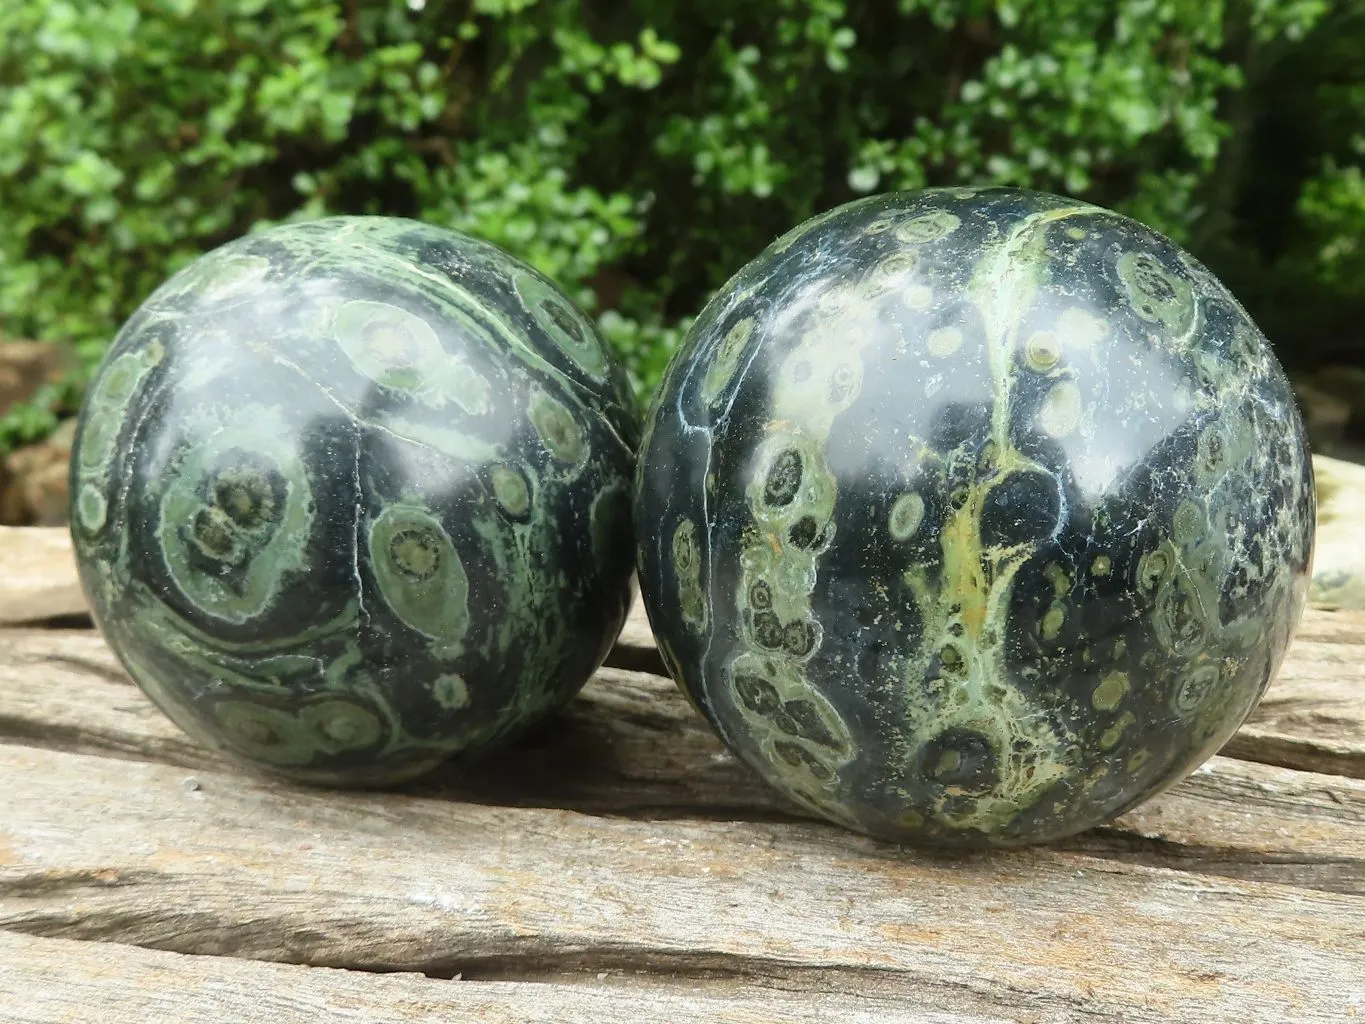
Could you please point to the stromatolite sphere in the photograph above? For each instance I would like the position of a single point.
(974, 516)
(352, 497)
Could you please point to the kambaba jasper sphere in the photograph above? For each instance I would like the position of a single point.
(974, 516)
(352, 497)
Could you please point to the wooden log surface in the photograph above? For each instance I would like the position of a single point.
(37, 576)
(638, 750)
(1339, 576)
(1313, 716)
(620, 863)
(55, 981)
(227, 865)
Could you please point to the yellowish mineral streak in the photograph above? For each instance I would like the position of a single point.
(964, 612)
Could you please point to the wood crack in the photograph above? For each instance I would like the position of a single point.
(1325, 873)
(121, 984)
(625, 966)
(250, 870)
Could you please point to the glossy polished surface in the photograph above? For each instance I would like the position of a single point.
(974, 517)
(352, 497)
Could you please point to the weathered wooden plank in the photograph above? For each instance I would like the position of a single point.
(638, 750)
(1249, 821)
(1313, 716)
(635, 647)
(1339, 564)
(230, 866)
(1312, 719)
(635, 746)
(38, 576)
(57, 981)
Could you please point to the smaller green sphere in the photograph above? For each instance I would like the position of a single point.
(974, 516)
(350, 498)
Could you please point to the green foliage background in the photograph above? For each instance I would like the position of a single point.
(640, 151)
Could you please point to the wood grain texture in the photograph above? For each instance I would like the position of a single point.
(38, 576)
(230, 866)
(1313, 716)
(635, 746)
(1339, 562)
(639, 750)
(635, 647)
(56, 981)
(143, 877)
(1249, 821)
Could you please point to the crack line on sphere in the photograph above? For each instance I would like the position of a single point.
(355, 534)
(722, 420)
(469, 306)
(358, 421)
(605, 420)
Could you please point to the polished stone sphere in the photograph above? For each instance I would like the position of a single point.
(352, 497)
(974, 517)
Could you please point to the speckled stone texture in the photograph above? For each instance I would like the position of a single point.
(352, 497)
(974, 517)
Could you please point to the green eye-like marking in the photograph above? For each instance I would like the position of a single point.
(338, 725)
(687, 566)
(238, 497)
(565, 325)
(216, 536)
(91, 509)
(420, 574)
(906, 514)
(1043, 351)
(511, 490)
(401, 351)
(1195, 688)
(334, 470)
(247, 496)
(1156, 293)
(106, 409)
(263, 733)
(389, 345)
(928, 227)
(416, 554)
(451, 692)
(557, 428)
(726, 360)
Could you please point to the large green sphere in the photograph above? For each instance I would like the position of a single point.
(974, 516)
(352, 497)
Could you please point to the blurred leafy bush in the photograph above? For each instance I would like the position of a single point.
(640, 151)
